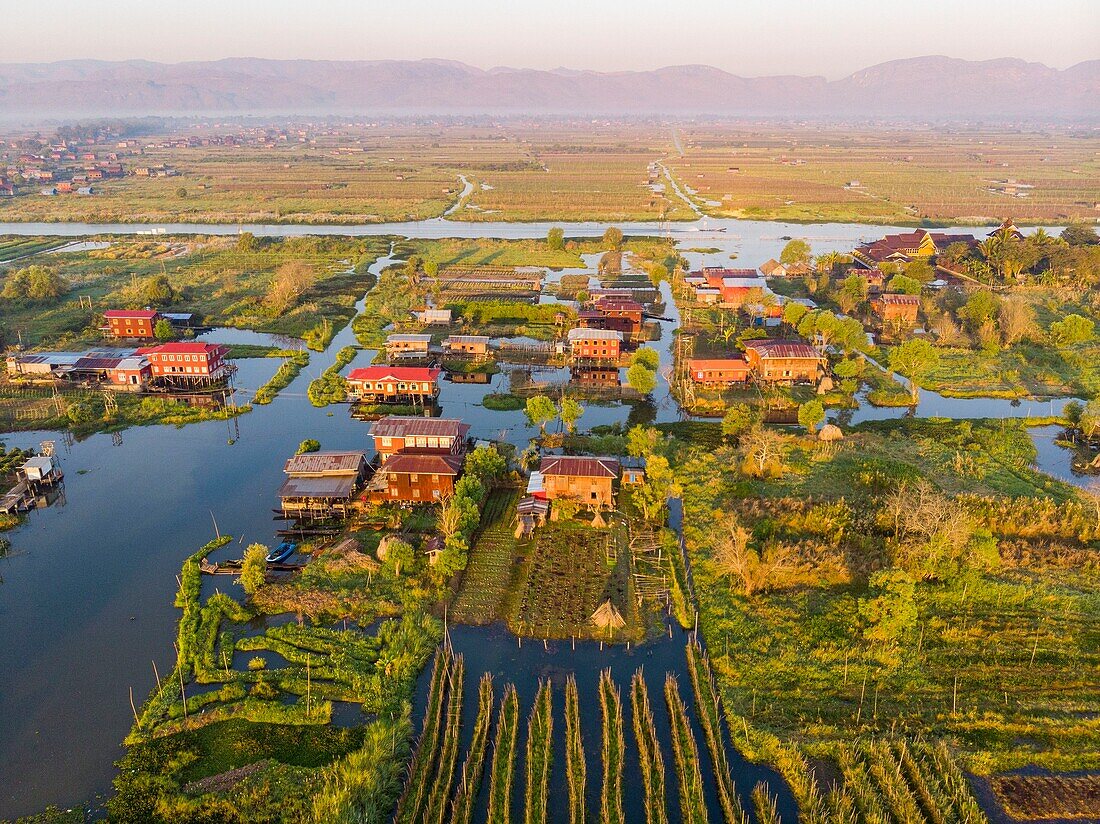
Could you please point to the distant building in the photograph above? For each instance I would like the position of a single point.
(907, 246)
(393, 384)
(131, 374)
(440, 317)
(595, 344)
(131, 323)
(896, 310)
(408, 346)
(586, 480)
(719, 372)
(616, 314)
(467, 344)
(783, 361)
(773, 269)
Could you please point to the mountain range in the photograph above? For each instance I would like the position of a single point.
(923, 88)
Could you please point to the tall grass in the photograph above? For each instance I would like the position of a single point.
(764, 803)
(504, 759)
(448, 753)
(710, 717)
(858, 784)
(575, 770)
(417, 785)
(892, 785)
(693, 807)
(474, 767)
(611, 795)
(649, 752)
(361, 788)
(540, 742)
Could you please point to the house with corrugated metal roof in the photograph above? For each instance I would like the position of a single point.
(322, 484)
(586, 480)
(415, 478)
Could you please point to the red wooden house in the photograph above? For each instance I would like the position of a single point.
(719, 372)
(188, 363)
(394, 434)
(393, 384)
(415, 478)
(131, 323)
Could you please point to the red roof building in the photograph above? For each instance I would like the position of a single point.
(906, 246)
(188, 362)
(393, 384)
(719, 372)
(131, 323)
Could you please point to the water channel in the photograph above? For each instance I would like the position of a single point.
(87, 590)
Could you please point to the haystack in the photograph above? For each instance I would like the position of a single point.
(607, 617)
(830, 433)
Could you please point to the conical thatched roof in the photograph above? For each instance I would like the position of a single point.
(607, 617)
(830, 432)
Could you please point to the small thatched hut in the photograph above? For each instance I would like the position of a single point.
(606, 617)
(830, 433)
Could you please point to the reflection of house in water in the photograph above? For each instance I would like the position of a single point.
(598, 377)
(469, 377)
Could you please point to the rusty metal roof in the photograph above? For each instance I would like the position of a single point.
(782, 349)
(579, 466)
(402, 426)
(325, 463)
(407, 463)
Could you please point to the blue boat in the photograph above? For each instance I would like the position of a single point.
(281, 552)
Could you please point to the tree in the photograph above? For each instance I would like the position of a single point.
(253, 568)
(247, 242)
(914, 359)
(641, 379)
(852, 292)
(308, 445)
(956, 253)
(399, 555)
(570, 413)
(920, 270)
(539, 411)
(1072, 412)
(796, 251)
(163, 330)
(793, 313)
(613, 238)
(158, 291)
(486, 464)
(290, 282)
(45, 284)
(1072, 329)
(555, 239)
(181, 192)
(811, 414)
(1017, 320)
(660, 485)
(904, 285)
(763, 451)
(739, 419)
(1080, 234)
(738, 561)
(891, 611)
(981, 307)
(642, 441)
(647, 357)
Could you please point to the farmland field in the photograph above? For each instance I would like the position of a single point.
(489, 569)
(606, 171)
(889, 176)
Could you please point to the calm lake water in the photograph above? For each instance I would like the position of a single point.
(86, 593)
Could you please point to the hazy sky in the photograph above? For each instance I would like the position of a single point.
(749, 37)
